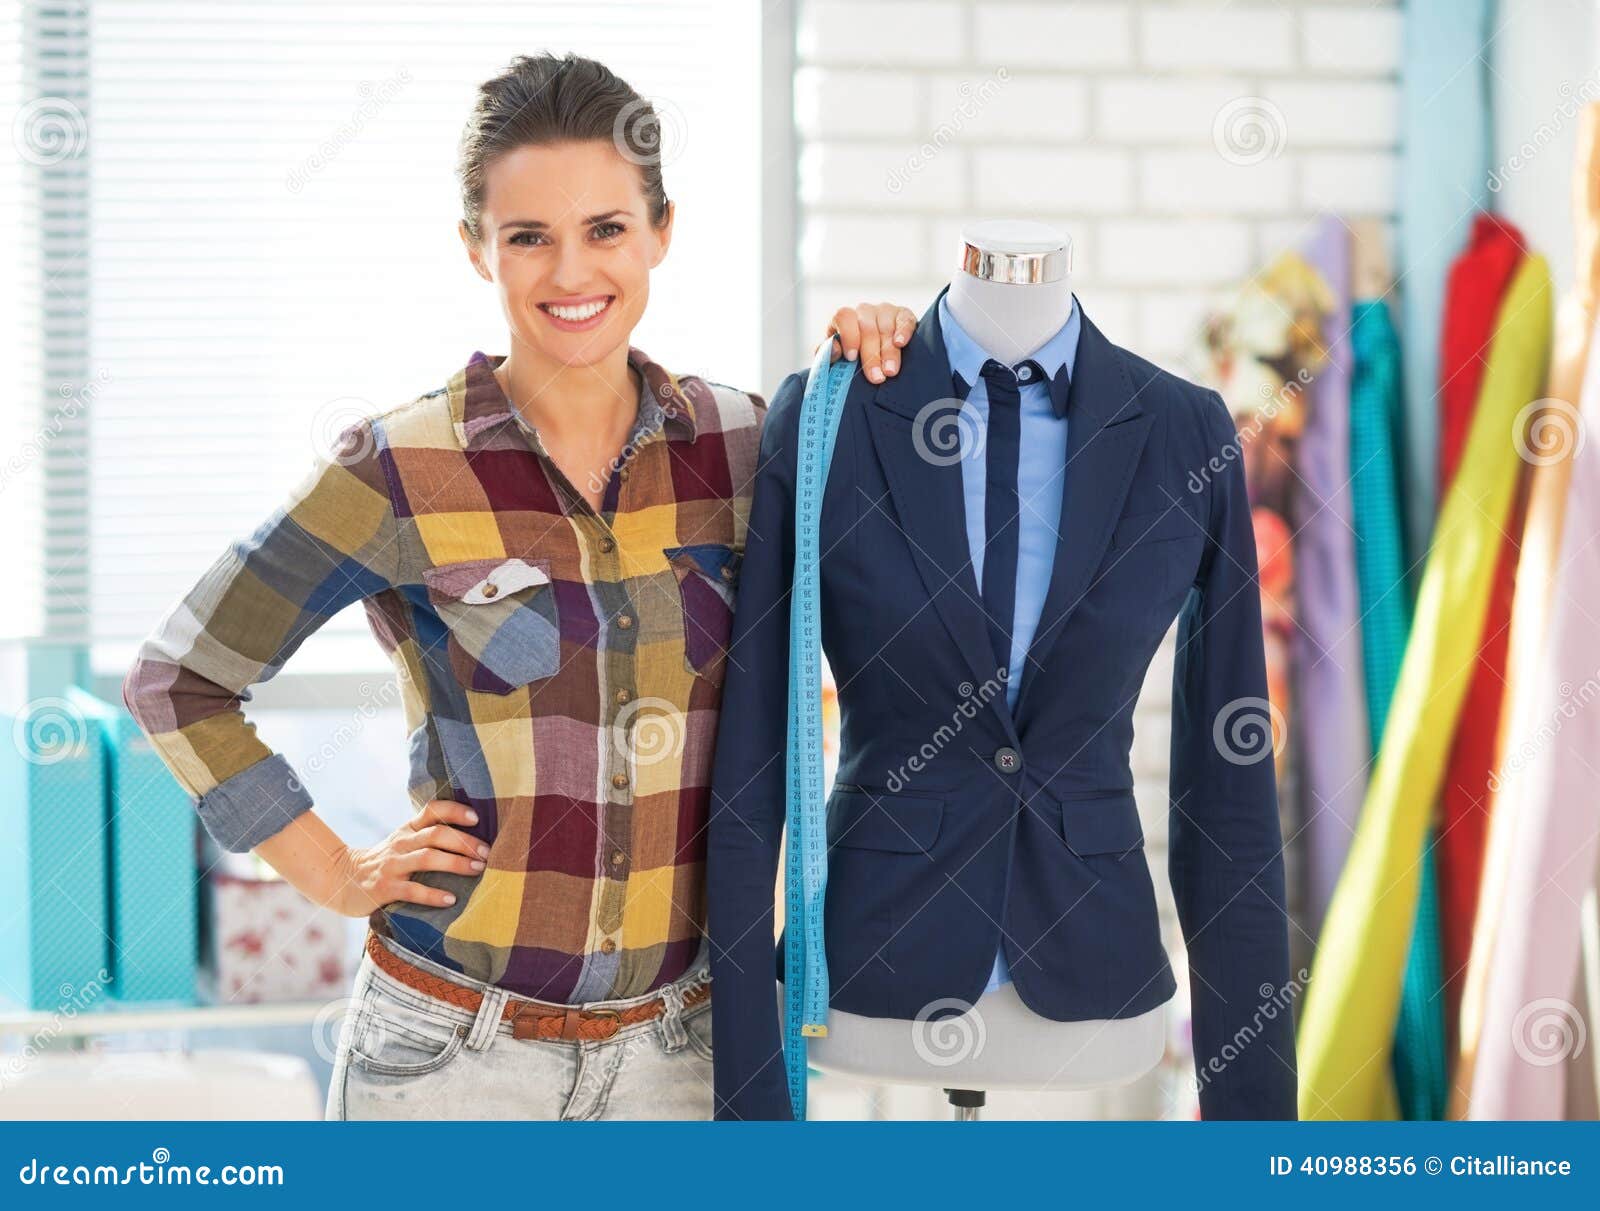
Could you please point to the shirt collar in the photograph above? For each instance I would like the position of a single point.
(478, 407)
(1060, 351)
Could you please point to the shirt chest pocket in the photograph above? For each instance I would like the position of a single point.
(708, 577)
(503, 627)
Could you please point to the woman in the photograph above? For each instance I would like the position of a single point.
(547, 548)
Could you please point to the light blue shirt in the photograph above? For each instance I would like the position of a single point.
(1041, 482)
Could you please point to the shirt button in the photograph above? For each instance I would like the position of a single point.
(489, 590)
(608, 946)
(624, 621)
(622, 697)
(727, 572)
(1006, 760)
(607, 545)
(619, 780)
(1025, 372)
(617, 857)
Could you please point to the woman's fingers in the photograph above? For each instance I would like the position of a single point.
(905, 323)
(409, 891)
(872, 338)
(444, 811)
(437, 859)
(443, 836)
(848, 327)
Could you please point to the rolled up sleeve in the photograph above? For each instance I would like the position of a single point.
(334, 541)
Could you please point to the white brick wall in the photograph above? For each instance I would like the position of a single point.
(1103, 118)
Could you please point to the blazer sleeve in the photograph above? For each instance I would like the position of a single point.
(1225, 847)
(748, 787)
(332, 542)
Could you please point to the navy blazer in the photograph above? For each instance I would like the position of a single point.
(954, 827)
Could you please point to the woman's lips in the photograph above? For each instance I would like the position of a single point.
(579, 316)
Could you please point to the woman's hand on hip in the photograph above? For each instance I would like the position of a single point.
(875, 332)
(433, 839)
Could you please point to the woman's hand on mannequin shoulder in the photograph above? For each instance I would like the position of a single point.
(872, 331)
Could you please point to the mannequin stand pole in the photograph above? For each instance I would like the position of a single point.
(965, 1104)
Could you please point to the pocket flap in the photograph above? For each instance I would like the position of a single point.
(714, 559)
(868, 819)
(1105, 822)
(1155, 525)
(484, 581)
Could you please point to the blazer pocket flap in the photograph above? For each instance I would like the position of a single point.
(1155, 525)
(867, 819)
(1105, 823)
(485, 581)
(717, 560)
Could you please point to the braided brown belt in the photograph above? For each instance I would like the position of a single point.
(529, 1019)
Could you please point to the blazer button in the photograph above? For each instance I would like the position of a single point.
(1006, 760)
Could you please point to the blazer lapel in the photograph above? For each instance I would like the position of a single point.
(1106, 430)
(914, 422)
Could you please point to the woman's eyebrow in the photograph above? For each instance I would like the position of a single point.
(539, 223)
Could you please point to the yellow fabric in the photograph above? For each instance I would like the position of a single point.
(1347, 1026)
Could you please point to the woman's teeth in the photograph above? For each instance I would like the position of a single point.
(576, 314)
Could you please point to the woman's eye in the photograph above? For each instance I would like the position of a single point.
(607, 231)
(525, 238)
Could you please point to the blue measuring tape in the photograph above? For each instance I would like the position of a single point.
(805, 979)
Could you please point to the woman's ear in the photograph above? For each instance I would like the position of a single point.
(664, 235)
(474, 252)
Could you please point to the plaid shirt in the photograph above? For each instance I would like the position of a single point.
(560, 669)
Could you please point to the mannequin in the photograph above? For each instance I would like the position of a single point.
(1011, 293)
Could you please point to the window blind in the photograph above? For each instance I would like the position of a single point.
(273, 253)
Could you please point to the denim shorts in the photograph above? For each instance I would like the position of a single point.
(405, 1055)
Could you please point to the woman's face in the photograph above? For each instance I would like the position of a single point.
(566, 239)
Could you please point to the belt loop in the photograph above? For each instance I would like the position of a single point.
(488, 1019)
(673, 1035)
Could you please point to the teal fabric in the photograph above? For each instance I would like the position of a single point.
(1444, 170)
(1376, 455)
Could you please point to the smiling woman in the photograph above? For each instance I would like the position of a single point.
(547, 548)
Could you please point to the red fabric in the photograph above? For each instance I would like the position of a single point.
(1478, 282)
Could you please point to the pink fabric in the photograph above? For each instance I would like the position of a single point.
(1529, 1020)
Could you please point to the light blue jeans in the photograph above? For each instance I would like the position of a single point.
(405, 1055)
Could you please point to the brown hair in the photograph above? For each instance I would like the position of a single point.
(548, 99)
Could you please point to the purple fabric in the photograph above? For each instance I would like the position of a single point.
(1329, 696)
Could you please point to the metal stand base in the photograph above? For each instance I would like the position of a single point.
(965, 1104)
